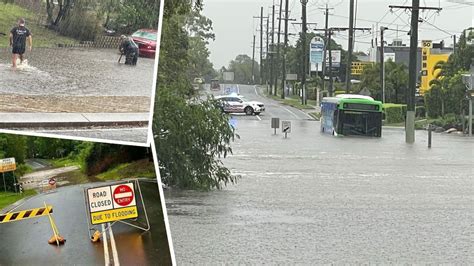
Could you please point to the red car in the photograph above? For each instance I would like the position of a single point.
(146, 40)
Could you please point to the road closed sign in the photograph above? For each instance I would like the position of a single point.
(112, 203)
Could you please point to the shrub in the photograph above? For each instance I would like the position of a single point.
(394, 113)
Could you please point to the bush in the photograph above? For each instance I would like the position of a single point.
(394, 113)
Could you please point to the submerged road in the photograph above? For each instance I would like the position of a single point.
(25, 242)
(315, 198)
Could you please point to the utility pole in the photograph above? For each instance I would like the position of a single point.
(304, 52)
(410, 117)
(382, 62)
(350, 46)
(267, 69)
(326, 44)
(454, 43)
(253, 60)
(271, 52)
(261, 45)
(330, 64)
(278, 49)
(283, 79)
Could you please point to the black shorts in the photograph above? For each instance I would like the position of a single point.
(18, 49)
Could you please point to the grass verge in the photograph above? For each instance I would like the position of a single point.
(292, 100)
(7, 198)
(42, 37)
(141, 168)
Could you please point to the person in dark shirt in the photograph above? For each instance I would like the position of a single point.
(18, 37)
(130, 49)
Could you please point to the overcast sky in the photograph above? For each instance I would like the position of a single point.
(235, 26)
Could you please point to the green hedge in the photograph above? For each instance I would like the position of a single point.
(394, 113)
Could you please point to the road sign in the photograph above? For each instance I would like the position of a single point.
(316, 49)
(26, 214)
(228, 76)
(286, 126)
(389, 56)
(291, 77)
(427, 44)
(336, 58)
(112, 203)
(7, 165)
(275, 124)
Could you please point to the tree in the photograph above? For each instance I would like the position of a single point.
(242, 68)
(447, 92)
(190, 134)
(396, 81)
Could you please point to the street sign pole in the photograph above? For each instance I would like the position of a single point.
(4, 184)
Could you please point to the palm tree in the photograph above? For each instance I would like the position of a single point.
(439, 82)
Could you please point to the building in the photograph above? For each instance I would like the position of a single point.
(428, 56)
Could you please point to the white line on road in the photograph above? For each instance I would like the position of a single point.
(290, 112)
(114, 247)
(259, 117)
(106, 248)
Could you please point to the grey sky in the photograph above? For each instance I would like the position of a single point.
(234, 24)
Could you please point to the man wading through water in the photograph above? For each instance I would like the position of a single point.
(18, 37)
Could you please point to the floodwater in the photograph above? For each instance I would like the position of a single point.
(316, 198)
(25, 242)
(76, 72)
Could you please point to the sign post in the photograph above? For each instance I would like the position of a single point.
(275, 124)
(7, 165)
(286, 127)
(114, 203)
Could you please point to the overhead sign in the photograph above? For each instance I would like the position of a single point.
(316, 50)
(112, 203)
(228, 76)
(7, 165)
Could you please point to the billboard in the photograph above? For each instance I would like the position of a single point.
(336, 58)
(316, 48)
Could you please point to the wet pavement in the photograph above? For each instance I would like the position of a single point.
(315, 198)
(137, 135)
(25, 242)
(76, 72)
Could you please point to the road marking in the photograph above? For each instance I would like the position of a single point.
(306, 114)
(106, 248)
(114, 247)
(290, 112)
(258, 117)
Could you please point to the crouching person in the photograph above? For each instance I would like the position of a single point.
(130, 49)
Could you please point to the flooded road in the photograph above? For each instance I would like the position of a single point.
(315, 198)
(25, 242)
(76, 72)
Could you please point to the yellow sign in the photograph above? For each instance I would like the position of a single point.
(26, 214)
(427, 44)
(7, 165)
(114, 215)
(358, 67)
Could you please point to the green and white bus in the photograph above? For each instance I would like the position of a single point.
(351, 114)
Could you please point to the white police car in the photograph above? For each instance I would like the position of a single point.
(235, 103)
